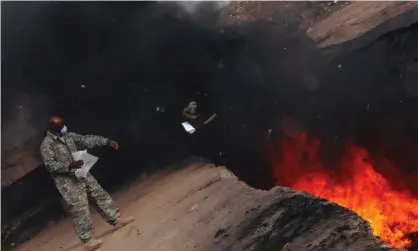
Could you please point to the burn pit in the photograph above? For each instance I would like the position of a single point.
(373, 173)
(257, 75)
(356, 184)
(371, 170)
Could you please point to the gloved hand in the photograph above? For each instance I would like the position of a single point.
(113, 144)
(77, 164)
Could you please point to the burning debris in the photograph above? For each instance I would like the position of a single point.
(357, 184)
(290, 220)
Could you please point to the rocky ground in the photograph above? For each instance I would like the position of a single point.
(202, 207)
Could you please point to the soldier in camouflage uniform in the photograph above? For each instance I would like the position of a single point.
(56, 151)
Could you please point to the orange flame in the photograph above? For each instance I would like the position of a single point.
(357, 186)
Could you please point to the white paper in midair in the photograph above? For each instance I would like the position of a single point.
(89, 161)
(188, 127)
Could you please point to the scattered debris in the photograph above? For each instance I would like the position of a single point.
(221, 232)
(195, 207)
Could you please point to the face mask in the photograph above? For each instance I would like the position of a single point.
(63, 130)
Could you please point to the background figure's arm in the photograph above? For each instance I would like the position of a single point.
(211, 118)
(87, 141)
(48, 157)
(190, 116)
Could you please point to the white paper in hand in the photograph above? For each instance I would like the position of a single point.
(89, 161)
(188, 127)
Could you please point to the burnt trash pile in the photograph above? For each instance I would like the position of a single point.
(289, 220)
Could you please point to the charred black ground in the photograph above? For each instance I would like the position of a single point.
(106, 67)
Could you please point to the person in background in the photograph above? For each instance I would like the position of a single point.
(201, 141)
(56, 150)
(191, 114)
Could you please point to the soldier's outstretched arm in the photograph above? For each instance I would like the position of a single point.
(48, 156)
(87, 141)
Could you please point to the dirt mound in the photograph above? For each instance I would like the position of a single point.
(201, 207)
(285, 219)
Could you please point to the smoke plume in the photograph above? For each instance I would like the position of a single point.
(106, 67)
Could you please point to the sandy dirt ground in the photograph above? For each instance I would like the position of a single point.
(174, 210)
(201, 207)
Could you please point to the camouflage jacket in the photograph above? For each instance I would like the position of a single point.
(56, 150)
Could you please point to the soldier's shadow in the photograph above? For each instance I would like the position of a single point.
(79, 244)
(106, 233)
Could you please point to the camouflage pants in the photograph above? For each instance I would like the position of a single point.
(77, 194)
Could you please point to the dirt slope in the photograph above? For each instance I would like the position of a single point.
(207, 208)
(358, 18)
(329, 23)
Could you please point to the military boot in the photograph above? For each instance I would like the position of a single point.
(123, 221)
(93, 244)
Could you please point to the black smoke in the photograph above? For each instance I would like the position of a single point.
(106, 67)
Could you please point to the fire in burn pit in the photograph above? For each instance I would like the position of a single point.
(355, 184)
